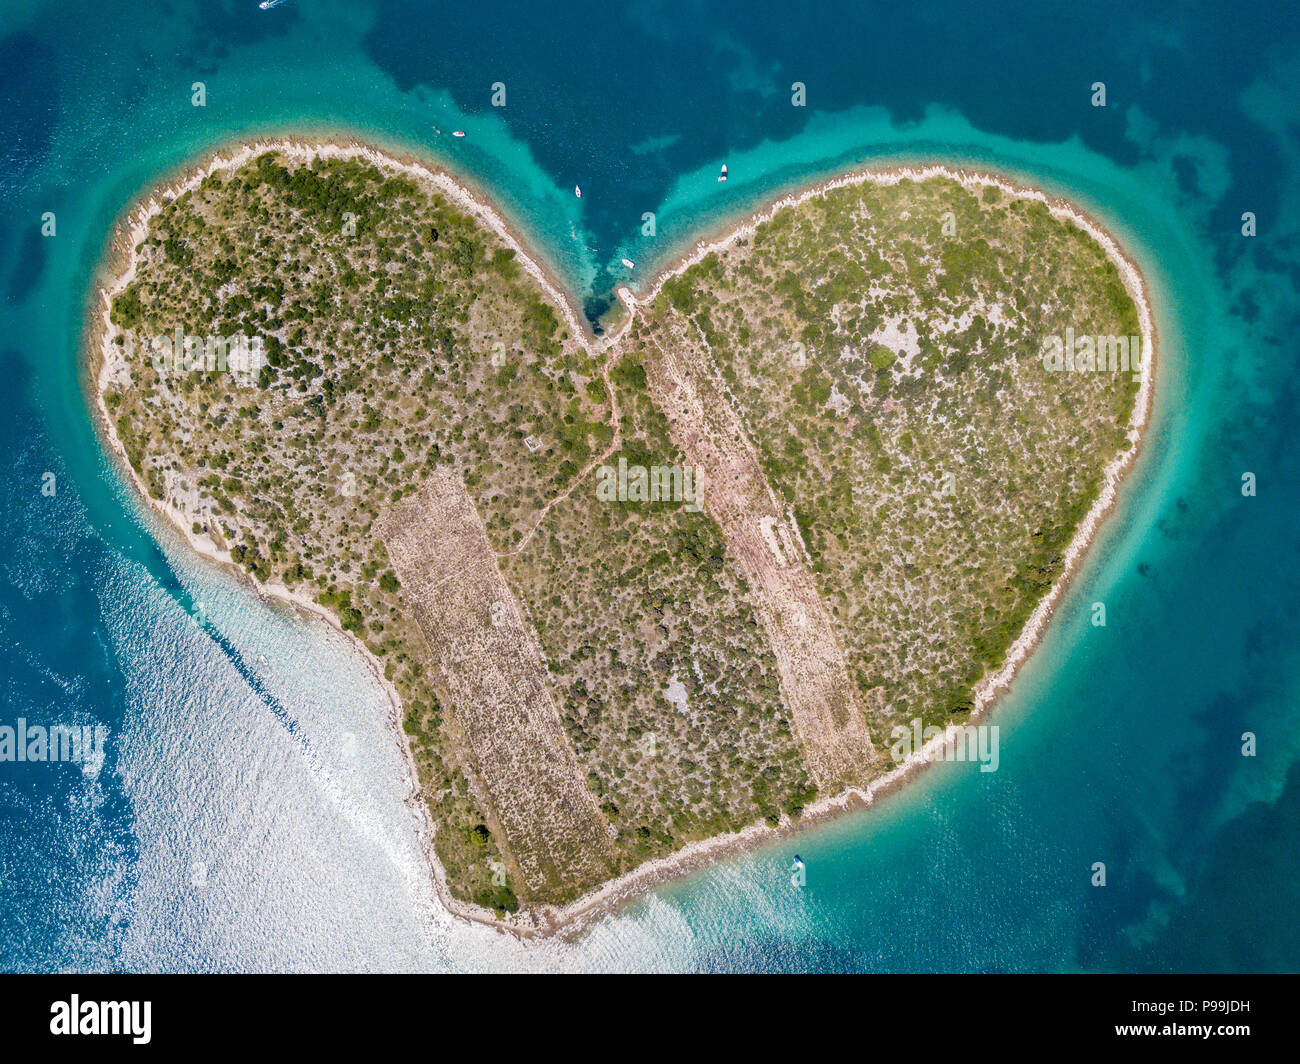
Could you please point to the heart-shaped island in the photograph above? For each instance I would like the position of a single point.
(743, 560)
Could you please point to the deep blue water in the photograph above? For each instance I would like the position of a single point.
(250, 811)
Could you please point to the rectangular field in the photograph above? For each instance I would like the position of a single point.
(766, 547)
(487, 655)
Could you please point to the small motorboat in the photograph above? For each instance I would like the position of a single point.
(723, 176)
(457, 132)
(266, 5)
(629, 264)
(577, 191)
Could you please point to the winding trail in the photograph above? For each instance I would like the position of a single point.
(616, 422)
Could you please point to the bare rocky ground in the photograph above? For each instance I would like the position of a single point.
(485, 650)
(764, 544)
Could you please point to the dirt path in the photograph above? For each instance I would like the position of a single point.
(616, 441)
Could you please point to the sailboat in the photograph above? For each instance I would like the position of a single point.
(577, 191)
(723, 176)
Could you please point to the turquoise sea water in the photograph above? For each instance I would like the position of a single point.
(250, 813)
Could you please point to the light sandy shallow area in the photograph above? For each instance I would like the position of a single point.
(106, 364)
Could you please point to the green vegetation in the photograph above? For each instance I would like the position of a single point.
(936, 470)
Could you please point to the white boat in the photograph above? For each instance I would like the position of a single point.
(457, 132)
(629, 264)
(266, 5)
(723, 176)
(577, 191)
